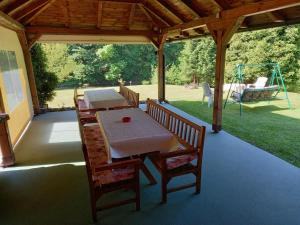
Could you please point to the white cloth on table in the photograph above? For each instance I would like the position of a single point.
(141, 135)
(105, 98)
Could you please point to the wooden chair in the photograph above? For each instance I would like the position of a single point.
(103, 177)
(187, 158)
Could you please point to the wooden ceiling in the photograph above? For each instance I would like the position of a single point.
(147, 18)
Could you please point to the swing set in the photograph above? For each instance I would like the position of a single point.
(255, 93)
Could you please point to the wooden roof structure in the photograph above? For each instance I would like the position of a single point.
(143, 21)
(139, 20)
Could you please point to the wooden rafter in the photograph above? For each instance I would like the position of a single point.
(156, 23)
(245, 10)
(10, 23)
(276, 16)
(193, 7)
(15, 6)
(173, 12)
(66, 12)
(4, 4)
(259, 8)
(158, 14)
(81, 31)
(123, 1)
(29, 9)
(38, 12)
(99, 14)
(131, 16)
(223, 4)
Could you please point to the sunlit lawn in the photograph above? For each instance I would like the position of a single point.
(270, 126)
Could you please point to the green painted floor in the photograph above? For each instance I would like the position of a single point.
(241, 184)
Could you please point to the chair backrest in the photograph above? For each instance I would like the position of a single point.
(261, 82)
(188, 133)
(206, 89)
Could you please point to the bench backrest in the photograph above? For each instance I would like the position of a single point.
(258, 94)
(132, 97)
(188, 133)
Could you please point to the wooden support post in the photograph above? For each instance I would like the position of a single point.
(222, 31)
(30, 73)
(7, 157)
(161, 68)
(161, 74)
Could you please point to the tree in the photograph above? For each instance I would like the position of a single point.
(59, 62)
(46, 82)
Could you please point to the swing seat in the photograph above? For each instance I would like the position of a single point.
(255, 94)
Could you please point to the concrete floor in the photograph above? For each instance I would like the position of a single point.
(241, 184)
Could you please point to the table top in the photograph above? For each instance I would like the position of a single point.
(141, 135)
(105, 98)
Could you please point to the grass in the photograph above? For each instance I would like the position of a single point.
(270, 126)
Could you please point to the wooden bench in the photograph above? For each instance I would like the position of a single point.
(179, 162)
(104, 177)
(131, 96)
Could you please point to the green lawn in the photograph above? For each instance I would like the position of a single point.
(270, 126)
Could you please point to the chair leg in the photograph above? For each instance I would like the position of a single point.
(164, 183)
(203, 99)
(209, 101)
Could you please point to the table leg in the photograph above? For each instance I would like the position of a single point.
(146, 171)
(148, 174)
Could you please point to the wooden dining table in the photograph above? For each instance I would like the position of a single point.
(137, 138)
(105, 98)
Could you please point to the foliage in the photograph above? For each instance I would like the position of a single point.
(46, 82)
(273, 45)
(185, 62)
(59, 62)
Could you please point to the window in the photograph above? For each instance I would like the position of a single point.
(11, 78)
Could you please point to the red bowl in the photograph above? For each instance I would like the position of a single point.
(126, 119)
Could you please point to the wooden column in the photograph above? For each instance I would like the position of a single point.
(161, 68)
(7, 157)
(222, 31)
(161, 75)
(30, 73)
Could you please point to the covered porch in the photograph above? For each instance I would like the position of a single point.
(242, 184)
(48, 184)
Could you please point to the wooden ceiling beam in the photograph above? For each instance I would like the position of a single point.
(174, 13)
(158, 23)
(4, 3)
(9, 22)
(193, 7)
(131, 16)
(15, 6)
(258, 8)
(276, 16)
(243, 11)
(123, 1)
(158, 15)
(222, 4)
(38, 12)
(29, 9)
(81, 31)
